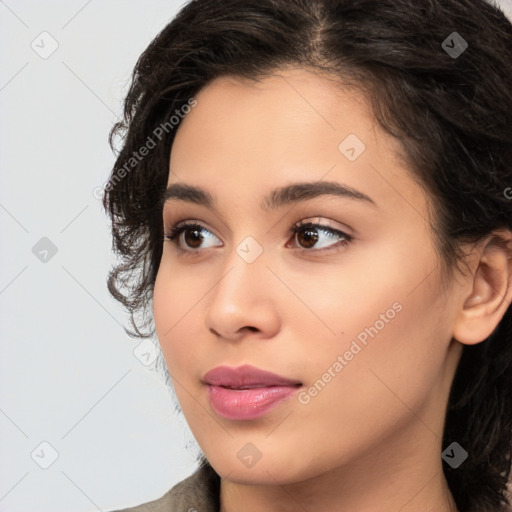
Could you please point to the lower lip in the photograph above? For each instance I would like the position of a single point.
(247, 404)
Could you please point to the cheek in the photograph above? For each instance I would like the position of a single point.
(390, 354)
(175, 298)
(392, 333)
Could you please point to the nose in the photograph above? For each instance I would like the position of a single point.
(243, 301)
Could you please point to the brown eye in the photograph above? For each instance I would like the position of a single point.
(318, 237)
(193, 237)
(307, 238)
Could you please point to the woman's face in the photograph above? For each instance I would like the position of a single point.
(349, 311)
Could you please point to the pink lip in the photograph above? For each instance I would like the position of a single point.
(246, 392)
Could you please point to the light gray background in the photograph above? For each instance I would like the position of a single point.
(69, 375)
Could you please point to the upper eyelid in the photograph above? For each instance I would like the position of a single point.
(324, 224)
(316, 220)
(181, 226)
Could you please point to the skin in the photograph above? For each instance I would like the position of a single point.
(370, 440)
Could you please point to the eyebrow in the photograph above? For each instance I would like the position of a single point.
(275, 199)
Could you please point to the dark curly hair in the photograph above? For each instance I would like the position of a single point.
(451, 111)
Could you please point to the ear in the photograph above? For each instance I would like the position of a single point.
(490, 289)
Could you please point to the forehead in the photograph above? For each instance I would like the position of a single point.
(292, 126)
(283, 111)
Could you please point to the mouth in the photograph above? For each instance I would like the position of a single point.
(245, 377)
(246, 392)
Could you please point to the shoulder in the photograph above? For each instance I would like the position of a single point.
(199, 492)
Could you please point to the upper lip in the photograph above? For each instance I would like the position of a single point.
(245, 377)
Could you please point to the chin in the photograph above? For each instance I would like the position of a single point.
(268, 470)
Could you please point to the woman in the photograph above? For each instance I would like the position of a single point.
(313, 206)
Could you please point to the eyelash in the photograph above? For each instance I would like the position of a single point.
(175, 232)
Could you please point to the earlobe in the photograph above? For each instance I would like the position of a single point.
(491, 290)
